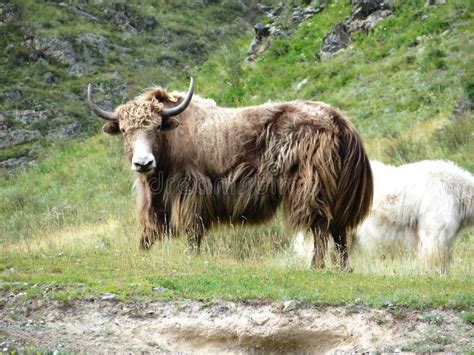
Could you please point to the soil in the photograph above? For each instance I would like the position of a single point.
(100, 325)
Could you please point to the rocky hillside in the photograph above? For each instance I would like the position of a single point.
(400, 70)
(50, 50)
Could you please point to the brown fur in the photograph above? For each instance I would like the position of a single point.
(238, 165)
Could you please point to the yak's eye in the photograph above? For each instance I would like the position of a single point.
(122, 130)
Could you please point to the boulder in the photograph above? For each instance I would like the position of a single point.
(26, 117)
(4, 124)
(13, 163)
(9, 13)
(370, 22)
(128, 20)
(262, 30)
(79, 54)
(79, 11)
(12, 137)
(11, 95)
(64, 132)
(337, 39)
(363, 8)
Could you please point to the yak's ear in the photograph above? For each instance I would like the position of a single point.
(111, 128)
(169, 123)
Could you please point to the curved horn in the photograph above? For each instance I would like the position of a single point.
(106, 115)
(168, 112)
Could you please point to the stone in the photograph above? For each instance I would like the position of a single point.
(26, 117)
(11, 95)
(9, 13)
(262, 30)
(297, 15)
(262, 7)
(363, 8)
(9, 138)
(97, 42)
(337, 39)
(259, 319)
(78, 11)
(301, 84)
(51, 78)
(64, 132)
(160, 289)
(128, 20)
(14, 163)
(289, 305)
(4, 124)
(55, 48)
(78, 54)
(370, 22)
(254, 45)
(108, 296)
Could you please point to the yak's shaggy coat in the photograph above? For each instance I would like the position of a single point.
(418, 208)
(237, 165)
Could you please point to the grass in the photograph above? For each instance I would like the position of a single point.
(161, 55)
(399, 84)
(67, 225)
(91, 260)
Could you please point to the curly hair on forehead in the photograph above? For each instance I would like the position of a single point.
(156, 93)
(144, 110)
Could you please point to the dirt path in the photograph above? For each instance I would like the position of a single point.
(224, 327)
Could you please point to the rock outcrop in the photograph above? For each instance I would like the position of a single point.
(366, 14)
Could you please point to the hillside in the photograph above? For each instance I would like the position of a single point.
(401, 71)
(51, 50)
(406, 83)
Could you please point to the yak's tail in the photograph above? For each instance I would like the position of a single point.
(355, 181)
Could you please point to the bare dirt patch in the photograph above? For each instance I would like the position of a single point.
(224, 327)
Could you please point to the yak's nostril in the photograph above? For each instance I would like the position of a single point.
(143, 165)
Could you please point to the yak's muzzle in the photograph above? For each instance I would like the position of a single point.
(143, 164)
(143, 160)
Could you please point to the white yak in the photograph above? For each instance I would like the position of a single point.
(418, 209)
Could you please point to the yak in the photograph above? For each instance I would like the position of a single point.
(199, 165)
(419, 208)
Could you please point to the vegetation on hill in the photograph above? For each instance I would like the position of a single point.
(407, 85)
(51, 50)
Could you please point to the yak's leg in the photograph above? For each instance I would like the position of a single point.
(321, 237)
(195, 235)
(147, 239)
(340, 240)
(194, 241)
(437, 240)
(153, 229)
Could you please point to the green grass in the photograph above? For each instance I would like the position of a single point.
(68, 228)
(140, 59)
(95, 259)
(398, 93)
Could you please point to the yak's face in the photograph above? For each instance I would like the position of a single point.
(141, 123)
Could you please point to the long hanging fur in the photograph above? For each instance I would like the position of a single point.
(418, 208)
(226, 165)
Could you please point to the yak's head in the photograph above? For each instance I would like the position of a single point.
(140, 122)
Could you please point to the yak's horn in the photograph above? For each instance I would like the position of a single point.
(168, 112)
(106, 115)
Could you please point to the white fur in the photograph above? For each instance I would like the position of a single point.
(418, 209)
(142, 152)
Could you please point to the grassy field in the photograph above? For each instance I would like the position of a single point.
(68, 228)
(71, 233)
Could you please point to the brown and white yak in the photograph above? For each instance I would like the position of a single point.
(200, 165)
